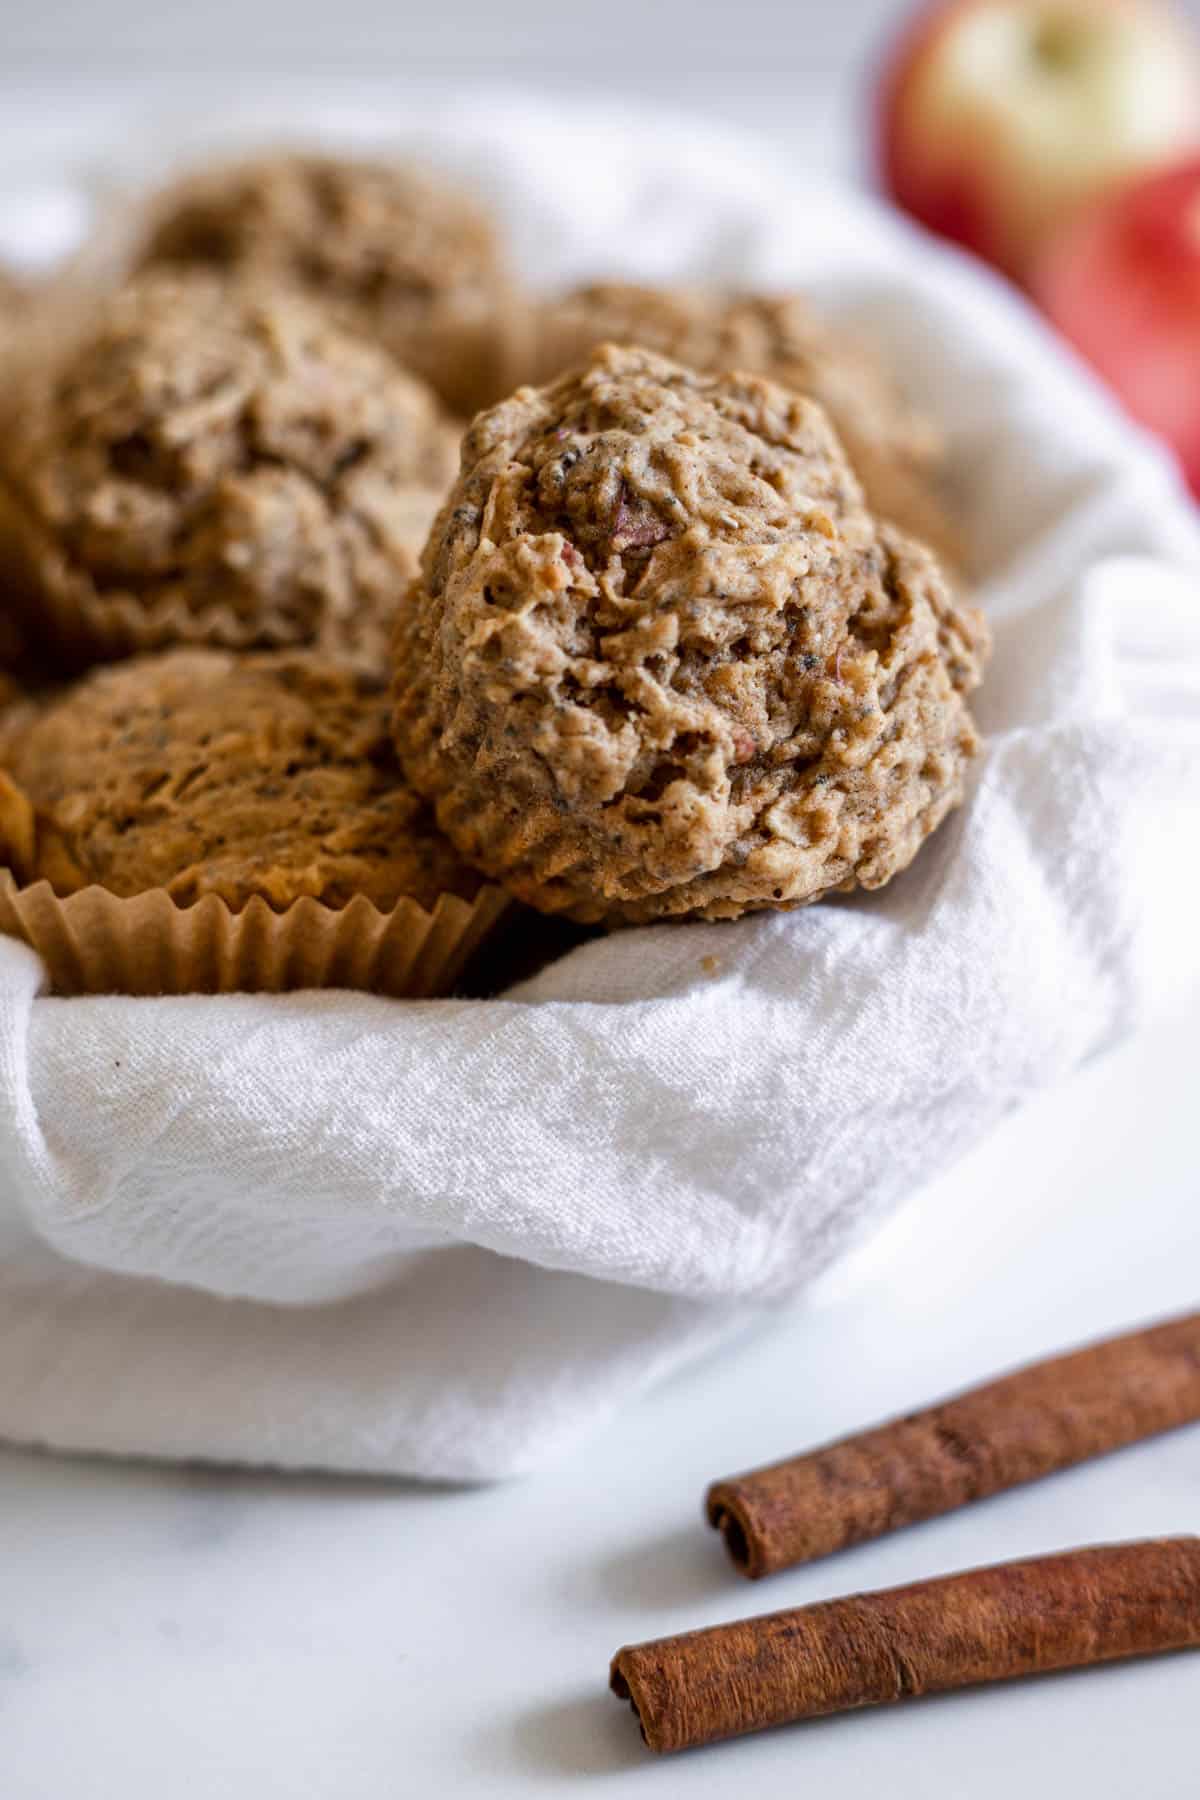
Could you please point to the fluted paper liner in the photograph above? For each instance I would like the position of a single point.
(94, 942)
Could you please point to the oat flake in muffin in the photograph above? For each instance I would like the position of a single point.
(200, 772)
(407, 259)
(663, 661)
(210, 463)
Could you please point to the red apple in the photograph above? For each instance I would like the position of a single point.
(1123, 284)
(999, 118)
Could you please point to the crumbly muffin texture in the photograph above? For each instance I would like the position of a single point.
(896, 451)
(408, 260)
(206, 773)
(663, 661)
(219, 463)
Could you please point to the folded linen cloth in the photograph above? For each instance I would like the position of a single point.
(445, 1238)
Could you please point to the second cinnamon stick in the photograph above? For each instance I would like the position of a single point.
(1046, 1417)
(1070, 1610)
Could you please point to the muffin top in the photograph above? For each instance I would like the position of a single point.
(894, 449)
(410, 260)
(662, 660)
(202, 772)
(221, 464)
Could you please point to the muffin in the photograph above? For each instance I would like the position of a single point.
(408, 260)
(662, 661)
(201, 772)
(217, 465)
(255, 803)
(896, 452)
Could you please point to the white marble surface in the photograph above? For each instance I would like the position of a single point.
(203, 1633)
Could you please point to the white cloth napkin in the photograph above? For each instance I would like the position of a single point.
(444, 1238)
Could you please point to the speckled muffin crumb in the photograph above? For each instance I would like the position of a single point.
(406, 259)
(662, 661)
(896, 451)
(199, 772)
(217, 464)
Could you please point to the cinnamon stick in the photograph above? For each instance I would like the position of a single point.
(1066, 1611)
(1048, 1416)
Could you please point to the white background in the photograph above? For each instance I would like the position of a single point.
(191, 1633)
(617, 38)
(656, 41)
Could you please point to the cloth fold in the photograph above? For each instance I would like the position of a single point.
(445, 1238)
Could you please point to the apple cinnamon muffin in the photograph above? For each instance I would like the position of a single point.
(663, 661)
(410, 261)
(895, 450)
(201, 772)
(216, 464)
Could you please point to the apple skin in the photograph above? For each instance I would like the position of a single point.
(998, 119)
(1122, 283)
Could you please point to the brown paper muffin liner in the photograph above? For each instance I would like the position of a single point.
(94, 942)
